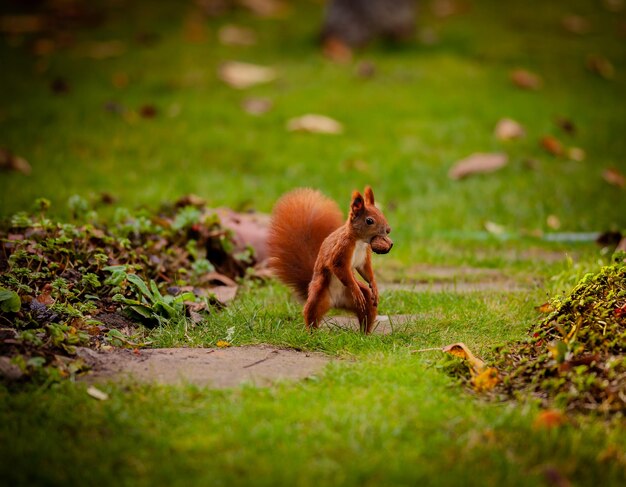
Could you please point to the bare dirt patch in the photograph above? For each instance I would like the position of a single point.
(385, 325)
(260, 365)
(429, 278)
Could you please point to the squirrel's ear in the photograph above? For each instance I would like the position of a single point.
(357, 206)
(369, 196)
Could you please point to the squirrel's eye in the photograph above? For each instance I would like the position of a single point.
(369, 220)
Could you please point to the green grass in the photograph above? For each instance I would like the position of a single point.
(379, 415)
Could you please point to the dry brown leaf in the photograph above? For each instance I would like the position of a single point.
(525, 79)
(552, 145)
(545, 308)
(233, 35)
(566, 125)
(337, 50)
(601, 66)
(244, 75)
(11, 162)
(550, 418)
(219, 279)
(460, 350)
(478, 163)
(224, 294)
(248, 230)
(553, 222)
(265, 8)
(319, 124)
(445, 8)
(97, 393)
(195, 27)
(22, 24)
(257, 106)
(576, 154)
(508, 129)
(613, 176)
(106, 49)
(45, 296)
(576, 24)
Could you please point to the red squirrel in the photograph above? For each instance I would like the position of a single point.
(315, 253)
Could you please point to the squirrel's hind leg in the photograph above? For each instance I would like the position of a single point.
(317, 304)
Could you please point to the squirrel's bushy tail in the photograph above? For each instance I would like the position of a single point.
(301, 220)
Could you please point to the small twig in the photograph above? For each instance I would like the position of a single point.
(260, 361)
(426, 350)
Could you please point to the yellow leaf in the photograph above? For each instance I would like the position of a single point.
(223, 344)
(486, 380)
(460, 350)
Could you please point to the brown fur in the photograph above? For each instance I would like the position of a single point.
(301, 220)
(318, 262)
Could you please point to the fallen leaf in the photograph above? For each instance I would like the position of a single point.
(576, 24)
(222, 344)
(217, 278)
(248, 230)
(313, 123)
(257, 106)
(106, 49)
(526, 80)
(22, 24)
(613, 176)
(244, 75)
(486, 380)
(613, 5)
(553, 222)
(566, 125)
(445, 8)
(601, 66)
(45, 296)
(554, 478)
(549, 418)
(148, 111)
(460, 350)
(11, 162)
(224, 294)
(59, 86)
(494, 228)
(552, 145)
(508, 129)
(478, 163)
(97, 393)
(119, 80)
(265, 8)
(233, 35)
(44, 47)
(195, 27)
(336, 50)
(545, 307)
(576, 154)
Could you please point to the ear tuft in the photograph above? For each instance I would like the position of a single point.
(369, 196)
(358, 205)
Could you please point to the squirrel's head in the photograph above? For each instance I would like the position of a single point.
(369, 223)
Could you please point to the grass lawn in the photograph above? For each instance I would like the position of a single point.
(379, 414)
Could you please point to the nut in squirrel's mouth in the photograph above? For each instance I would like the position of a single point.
(381, 244)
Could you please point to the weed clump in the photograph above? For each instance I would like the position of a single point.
(84, 283)
(576, 356)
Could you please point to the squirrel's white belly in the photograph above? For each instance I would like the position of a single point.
(336, 289)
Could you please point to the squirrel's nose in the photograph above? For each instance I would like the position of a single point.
(388, 230)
